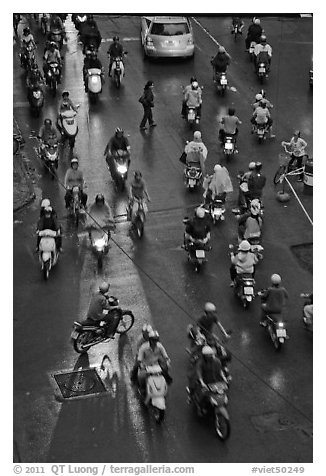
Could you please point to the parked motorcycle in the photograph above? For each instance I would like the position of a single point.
(100, 244)
(48, 253)
(52, 77)
(192, 175)
(94, 83)
(36, 99)
(154, 392)
(221, 82)
(229, 146)
(118, 165)
(69, 128)
(85, 335)
(138, 219)
(307, 321)
(50, 156)
(118, 70)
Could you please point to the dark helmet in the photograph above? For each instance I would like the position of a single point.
(153, 336)
(231, 111)
(65, 94)
(26, 31)
(137, 174)
(192, 79)
(99, 198)
(47, 122)
(115, 38)
(258, 166)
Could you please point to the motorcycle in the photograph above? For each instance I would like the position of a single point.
(229, 147)
(45, 23)
(138, 218)
(196, 250)
(307, 321)
(118, 164)
(192, 116)
(217, 210)
(221, 82)
(75, 208)
(85, 335)
(27, 57)
(69, 128)
(262, 71)
(36, 99)
(261, 131)
(244, 287)
(214, 407)
(192, 175)
(118, 70)
(100, 244)
(57, 36)
(52, 77)
(155, 391)
(94, 82)
(50, 156)
(48, 254)
(275, 327)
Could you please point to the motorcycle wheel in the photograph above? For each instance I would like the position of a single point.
(117, 80)
(126, 322)
(158, 415)
(100, 261)
(222, 426)
(82, 339)
(54, 87)
(139, 227)
(278, 175)
(46, 270)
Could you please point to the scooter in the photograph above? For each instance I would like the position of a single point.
(221, 82)
(192, 116)
(50, 156)
(87, 334)
(48, 254)
(36, 100)
(275, 326)
(196, 250)
(217, 210)
(261, 131)
(192, 175)
(118, 70)
(244, 287)
(118, 165)
(52, 77)
(69, 128)
(138, 218)
(100, 244)
(229, 147)
(27, 58)
(94, 83)
(155, 391)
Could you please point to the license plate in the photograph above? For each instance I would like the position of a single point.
(228, 145)
(224, 81)
(192, 182)
(74, 334)
(248, 290)
(262, 69)
(200, 254)
(191, 115)
(281, 332)
(70, 122)
(217, 211)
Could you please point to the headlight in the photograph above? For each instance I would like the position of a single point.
(280, 324)
(122, 169)
(37, 94)
(100, 243)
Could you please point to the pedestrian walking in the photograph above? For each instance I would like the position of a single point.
(147, 100)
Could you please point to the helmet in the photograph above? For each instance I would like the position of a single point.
(26, 31)
(45, 203)
(137, 174)
(252, 165)
(48, 122)
(255, 207)
(194, 85)
(119, 130)
(259, 97)
(263, 39)
(276, 279)
(53, 43)
(200, 212)
(217, 167)
(99, 198)
(48, 209)
(197, 135)
(153, 336)
(231, 111)
(65, 94)
(192, 79)
(104, 287)
(209, 307)
(244, 246)
(256, 21)
(74, 160)
(258, 166)
(207, 350)
(297, 133)
(221, 49)
(147, 328)
(115, 38)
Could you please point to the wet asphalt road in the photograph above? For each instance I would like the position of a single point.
(270, 401)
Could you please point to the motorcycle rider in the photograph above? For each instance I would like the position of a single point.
(197, 229)
(98, 304)
(297, 146)
(254, 32)
(237, 21)
(56, 22)
(34, 79)
(196, 152)
(117, 142)
(26, 40)
(243, 262)
(256, 182)
(221, 61)
(185, 89)
(99, 214)
(261, 115)
(153, 353)
(146, 330)
(49, 222)
(65, 105)
(219, 184)
(274, 299)
(52, 55)
(47, 132)
(74, 178)
(243, 187)
(115, 51)
(208, 321)
(263, 53)
(91, 61)
(137, 192)
(193, 98)
(230, 123)
(308, 309)
(250, 223)
(90, 35)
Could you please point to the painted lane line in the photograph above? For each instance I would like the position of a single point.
(207, 32)
(300, 203)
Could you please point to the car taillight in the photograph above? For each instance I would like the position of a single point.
(190, 41)
(149, 41)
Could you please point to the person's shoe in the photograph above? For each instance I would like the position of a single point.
(142, 128)
(263, 323)
(299, 179)
(153, 124)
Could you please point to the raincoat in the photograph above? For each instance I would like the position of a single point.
(219, 183)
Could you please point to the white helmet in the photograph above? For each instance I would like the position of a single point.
(256, 21)
(209, 307)
(244, 246)
(207, 350)
(217, 167)
(200, 212)
(48, 209)
(104, 287)
(194, 85)
(255, 206)
(45, 203)
(252, 165)
(197, 135)
(276, 279)
(259, 97)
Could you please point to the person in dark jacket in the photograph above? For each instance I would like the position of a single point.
(221, 61)
(254, 32)
(256, 182)
(147, 100)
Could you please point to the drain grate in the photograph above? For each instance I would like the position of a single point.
(79, 383)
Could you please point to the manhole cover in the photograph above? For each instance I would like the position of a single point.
(304, 255)
(79, 383)
(271, 422)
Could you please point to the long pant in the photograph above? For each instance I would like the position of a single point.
(299, 163)
(234, 274)
(148, 116)
(68, 198)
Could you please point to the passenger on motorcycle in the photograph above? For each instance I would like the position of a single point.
(263, 53)
(146, 330)
(219, 184)
(237, 21)
(259, 98)
(262, 116)
(48, 222)
(115, 51)
(256, 182)
(193, 97)
(74, 178)
(274, 299)
(65, 105)
(197, 229)
(91, 61)
(230, 123)
(52, 55)
(185, 89)
(196, 152)
(254, 32)
(250, 224)
(99, 303)
(137, 192)
(242, 263)
(221, 61)
(152, 353)
(100, 214)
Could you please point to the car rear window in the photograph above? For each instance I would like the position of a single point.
(169, 29)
